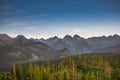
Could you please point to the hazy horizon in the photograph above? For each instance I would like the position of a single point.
(44, 19)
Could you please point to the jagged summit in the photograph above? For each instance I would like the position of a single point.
(75, 44)
(77, 37)
(21, 37)
(55, 37)
(67, 37)
(116, 35)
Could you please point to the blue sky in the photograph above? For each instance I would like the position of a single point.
(47, 18)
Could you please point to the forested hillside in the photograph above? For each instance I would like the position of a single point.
(79, 67)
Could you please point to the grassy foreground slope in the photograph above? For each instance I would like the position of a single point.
(96, 66)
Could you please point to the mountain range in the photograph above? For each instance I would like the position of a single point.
(21, 49)
(77, 44)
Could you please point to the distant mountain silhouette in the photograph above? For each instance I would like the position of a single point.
(103, 42)
(77, 44)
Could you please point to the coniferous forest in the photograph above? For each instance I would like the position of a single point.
(104, 66)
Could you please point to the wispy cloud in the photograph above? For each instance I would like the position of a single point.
(31, 27)
(72, 30)
(18, 12)
(43, 15)
(13, 24)
(16, 23)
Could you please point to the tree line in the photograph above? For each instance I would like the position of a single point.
(80, 67)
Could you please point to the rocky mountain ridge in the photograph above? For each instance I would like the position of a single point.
(77, 44)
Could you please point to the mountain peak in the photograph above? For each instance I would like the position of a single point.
(20, 37)
(116, 35)
(4, 36)
(54, 38)
(67, 37)
(77, 37)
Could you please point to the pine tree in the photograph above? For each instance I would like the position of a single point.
(30, 71)
(13, 71)
(36, 73)
(19, 72)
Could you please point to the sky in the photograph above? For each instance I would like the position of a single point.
(48, 18)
